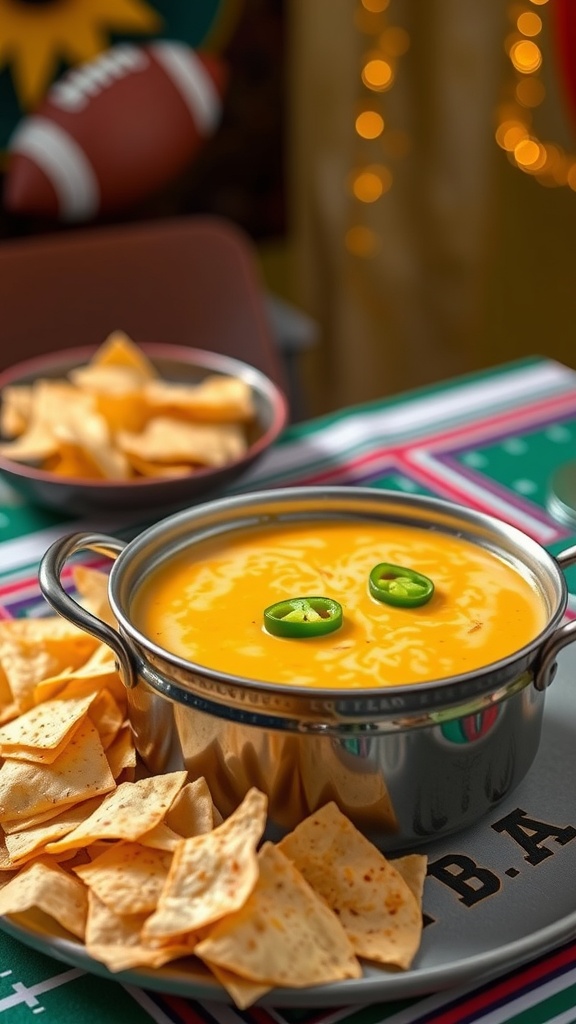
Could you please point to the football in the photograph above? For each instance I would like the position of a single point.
(113, 131)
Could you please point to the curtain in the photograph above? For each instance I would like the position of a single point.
(418, 284)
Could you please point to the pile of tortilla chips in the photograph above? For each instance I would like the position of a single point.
(116, 419)
(142, 869)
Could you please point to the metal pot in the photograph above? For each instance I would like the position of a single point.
(407, 763)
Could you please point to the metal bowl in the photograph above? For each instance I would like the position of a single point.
(175, 363)
(406, 763)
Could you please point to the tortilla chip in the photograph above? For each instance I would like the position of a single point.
(87, 436)
(15, 409)
(147, 468)
(284, 934)
(7, 867)
(23, 664)
(121, 753)
(376, 907)
(216, 399)
(33, 649)
(130, 810)
(41, 732)
(107, 716)
(169, 440)
(189, 815)
(16, 825)
(48, 888)
(192, 812)
(98, 672)
(122, 411)
(51, 401)
(117, 381)
(413, 869)
(161, 837)
(92, 587)
(211, 874)
(79, 772)
(128, 877)
(244, 993)
(114, 939)
(51, 629)
(32, 448)
(116, 393)
(118, 350)
(72, 461)
(8, 707)
(31, 837)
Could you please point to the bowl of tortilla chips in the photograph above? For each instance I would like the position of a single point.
(124, 426)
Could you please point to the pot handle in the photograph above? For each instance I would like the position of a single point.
(49, 578)
(546, 664)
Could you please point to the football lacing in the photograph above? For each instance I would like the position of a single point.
(83, 83)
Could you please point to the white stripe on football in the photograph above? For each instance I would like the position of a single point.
(114, 131)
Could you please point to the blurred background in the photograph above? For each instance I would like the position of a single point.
(406, 172)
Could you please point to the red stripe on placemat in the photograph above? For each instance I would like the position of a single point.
(30, 582)
(66, 577)
(183, 1010)
(259, 1015)
(380, 457)
(547, 410)
(498, 992)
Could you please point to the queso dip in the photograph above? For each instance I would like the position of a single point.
(206, 605)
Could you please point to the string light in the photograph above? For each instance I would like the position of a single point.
(369, 182)
(547, 162)
(379, 143)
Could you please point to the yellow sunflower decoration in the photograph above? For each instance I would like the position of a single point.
(39, 39)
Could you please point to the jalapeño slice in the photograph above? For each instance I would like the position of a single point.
(303, 617)
(397, 585)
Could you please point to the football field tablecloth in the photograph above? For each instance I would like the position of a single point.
(490, 441)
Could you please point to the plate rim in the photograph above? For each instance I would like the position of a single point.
(379, 986)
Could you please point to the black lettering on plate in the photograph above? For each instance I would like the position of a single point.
(530, 834)
(461, 874)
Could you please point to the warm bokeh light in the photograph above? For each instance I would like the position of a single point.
(370, 183)
(510, 134)
(377, 74)
(530, 92)
(530, 155)
(375, 6)
(526, 56)
(362, 241)
(395, 41)
(548, 163)
(376, 140)
(571, 177)
(369, 124)
(529, 23)
(556, 166)
(510, 40)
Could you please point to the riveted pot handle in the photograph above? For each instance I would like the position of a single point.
(49, 578)
(566, 634)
